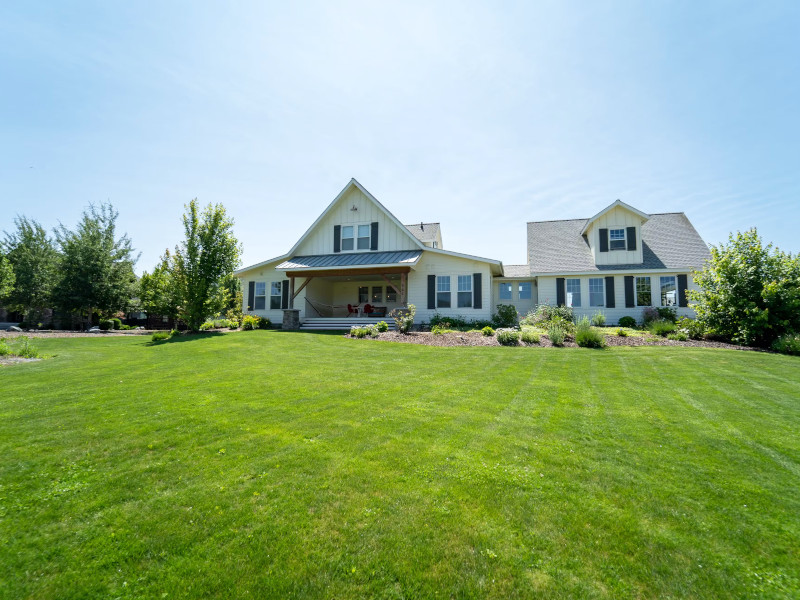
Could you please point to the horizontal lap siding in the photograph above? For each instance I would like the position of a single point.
(547, 295)
(523, 306)
(441, 264)
(268, 274)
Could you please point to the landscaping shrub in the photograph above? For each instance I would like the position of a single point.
(598, 319)
(106, 324)
(508, 337)
(25, 349)
(693, 328)
(263, 323)
(232, 324)
(487, 331)
(678, 336)
(529, 336)
(5, 349)
(382, 326)
(586, 337)
(788, 343)
(627, 321)
(207, 325)
(251, 322)
(662, 328)
(544, 313)
(441, 329)
(362, 331)
(404, 318)
(649, 315)
(117, 324)
(622, 333)
(665, 313)
(160, 336)
(506, 316)
(556, 334)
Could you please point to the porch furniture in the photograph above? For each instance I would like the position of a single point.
(352, 310)
(378, 311)
(368, 309)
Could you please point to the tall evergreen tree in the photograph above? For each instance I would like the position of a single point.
(96, 268)
(34, 258)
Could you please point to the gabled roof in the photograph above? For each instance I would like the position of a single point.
(425, 232)
(403, 257)
(354, 184)
(669, 241)
(611, 207)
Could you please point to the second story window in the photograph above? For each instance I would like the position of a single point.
(355, 237)
(363, 237)
(347, 237)
(616, 239)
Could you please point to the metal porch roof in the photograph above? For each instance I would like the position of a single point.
(351, 259)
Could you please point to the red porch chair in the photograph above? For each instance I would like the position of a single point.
(352, 310)
(368, 309)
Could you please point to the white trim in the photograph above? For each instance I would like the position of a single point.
(278, 259)
(610, 207)
(636, 291)
(675, 271)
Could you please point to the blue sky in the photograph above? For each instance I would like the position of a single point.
(481, 116)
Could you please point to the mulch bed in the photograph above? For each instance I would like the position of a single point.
(476, 338)
(71, 334)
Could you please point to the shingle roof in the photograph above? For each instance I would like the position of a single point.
(516, 271)
(424, 232)
(348, 259)
(669, 241)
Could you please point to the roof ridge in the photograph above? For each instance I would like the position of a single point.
(559, 220)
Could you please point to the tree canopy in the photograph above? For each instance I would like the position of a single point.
(96, 267)
(33, 256)
(6, 277)
(749, 293)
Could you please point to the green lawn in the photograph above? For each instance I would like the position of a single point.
(268, 464)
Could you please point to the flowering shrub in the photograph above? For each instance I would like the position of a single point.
(487, 331)
(529, 336)
(508, 337)
(251, 322)
(404, 318)
(544, 313)
(556, 334)
(598, 319)
(382, 326)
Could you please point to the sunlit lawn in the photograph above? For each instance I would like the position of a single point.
(267, 464)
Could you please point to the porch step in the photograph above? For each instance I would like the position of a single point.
(320, 323)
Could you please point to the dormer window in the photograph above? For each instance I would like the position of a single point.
(616, 239)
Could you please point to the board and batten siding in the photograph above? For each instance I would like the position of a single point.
(432, 263)
(617, 218)
(390, 236)
(547, 295)
(523, 306)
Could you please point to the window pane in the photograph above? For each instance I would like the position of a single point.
(464, 299)
(261, 288)
(377, 294)
(391, 295)
(524, 290)
(260, 303)
(443, 299)
(443, 283)
(644, 297)
(617, 237)
(363, 294)
(465, 283)
(347, 243)
(505, 291)
(596, 292)
(574, 288)
(347, 238)
(274, 302)
(669, 291)
(347, 231)
(275, 295)
(363, 231)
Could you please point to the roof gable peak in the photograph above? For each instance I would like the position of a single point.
(616, 204)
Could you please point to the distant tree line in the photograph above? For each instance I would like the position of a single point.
(88, 271)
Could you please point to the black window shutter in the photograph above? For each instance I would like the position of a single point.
(284, 294)
(629, 291)
(561, 296)
(682, 285)
(251, 294)
(610, 301)
(604, 240)
(337, 238)
(431, 292)
(374, 237)
(477, 291)
(631, 238)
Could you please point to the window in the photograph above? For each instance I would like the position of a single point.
(616, 239)
(505, 291)
(377, 294)
(443, 291)
(524, 290)
(363, 295)
(260, 298)
(435, 245)
(391, 294)
(669, 291)
(596, 292)
(363, 237)
(574, 293)
(275, 295)
(347, 237)
(464, 291)
(644, 296)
